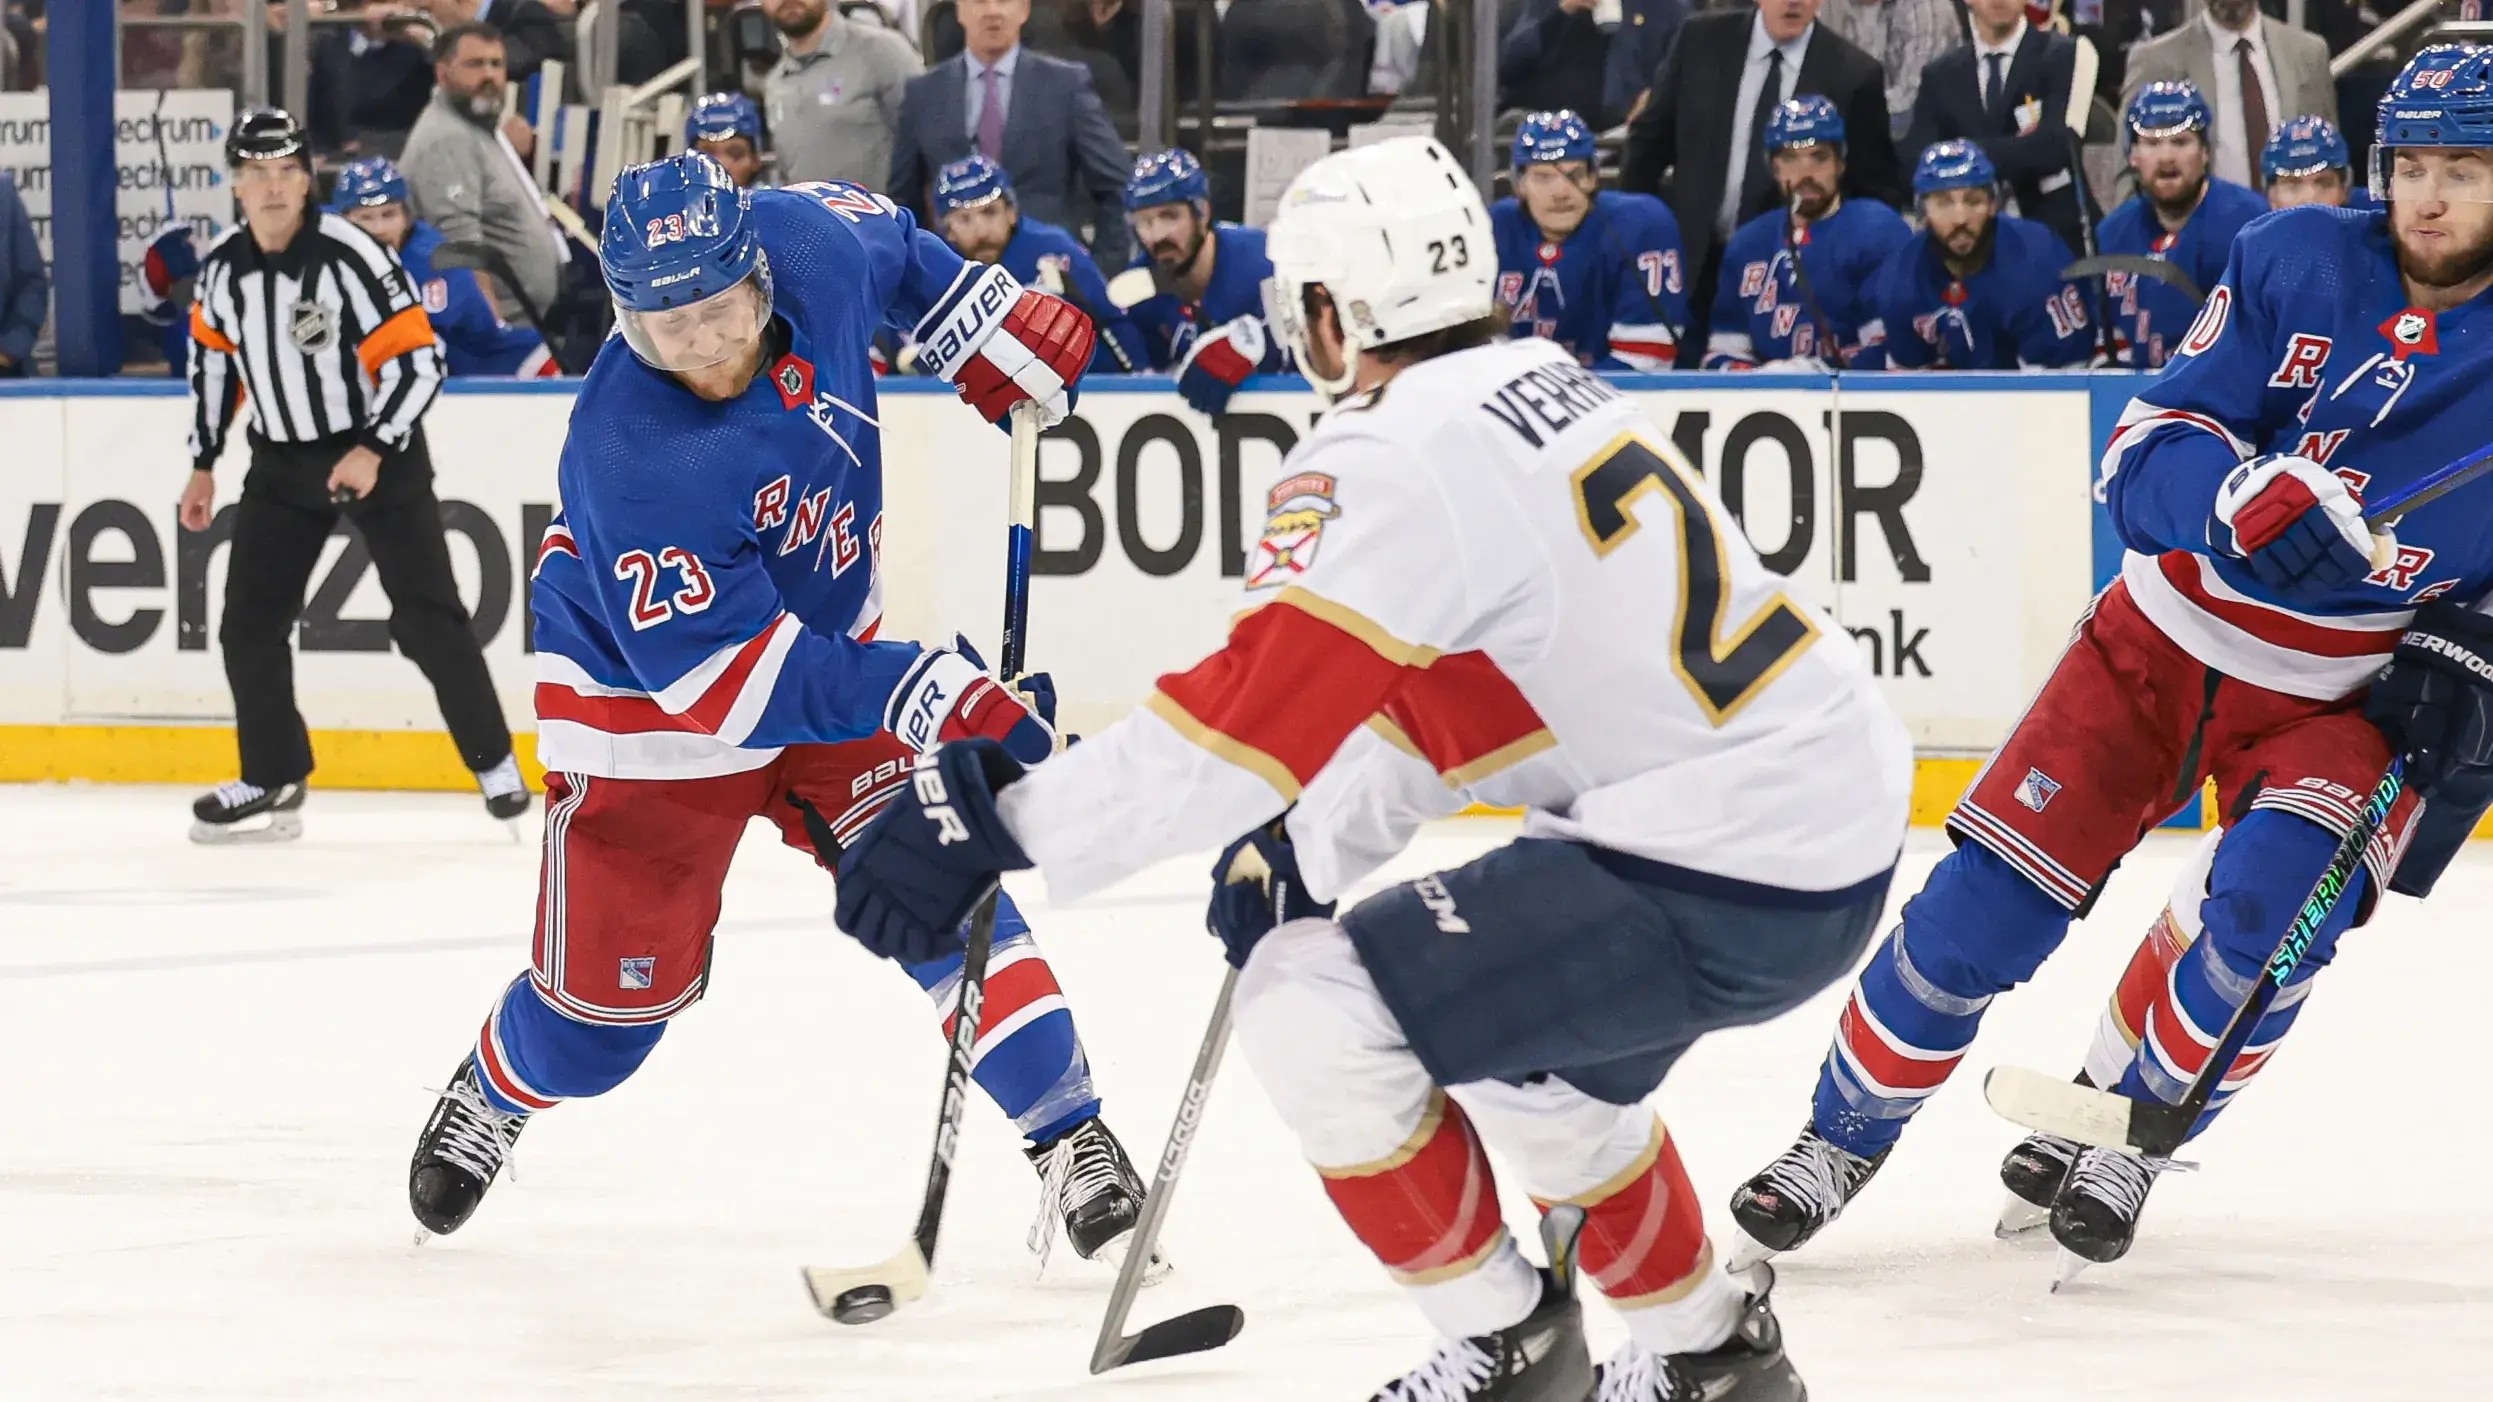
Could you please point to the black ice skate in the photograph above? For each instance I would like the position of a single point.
(462, 1147)
(1542, 1359)
(1089, 1186)
(1793, 1198)
(2032, 1173)
(506, 793)
(1750, 1366)
(2095, 1217)
(240, 812)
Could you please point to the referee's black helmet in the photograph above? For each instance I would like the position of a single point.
(265, 134)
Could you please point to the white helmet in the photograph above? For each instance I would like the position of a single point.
(1397, 235)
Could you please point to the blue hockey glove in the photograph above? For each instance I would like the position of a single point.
(947, 695)
(2294, 523)
(1956, 339)
(919, 869)
(1256, 887)
(1219, 361)
(2435, 701)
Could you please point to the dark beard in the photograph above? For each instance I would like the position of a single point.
(802, 27)
(484, 111)
(2454, 269)
(1977, 260)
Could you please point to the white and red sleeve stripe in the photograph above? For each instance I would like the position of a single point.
(1644, 345)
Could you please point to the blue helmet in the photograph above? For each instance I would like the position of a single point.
(1953, 165)
(2167, 107)
(678, 231)
(721, 115)
(1546, 138)
(2443, 97)
(1173, 176)
(370, 181)
(2303, 146)
(971, 180)
(1804, 121)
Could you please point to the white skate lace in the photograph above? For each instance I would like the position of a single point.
(1078, 1167)
(1637, 1374)
(473, 1134)
(237, 793)
(2062, 1151)
(1812, 1173)
(2118, 1180)
(1454, 1373)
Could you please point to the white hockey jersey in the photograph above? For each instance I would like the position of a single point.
(1496, 577)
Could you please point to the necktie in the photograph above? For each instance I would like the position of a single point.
(990, 119)
(1994, 82)
(2254, 109)
(1757, 188)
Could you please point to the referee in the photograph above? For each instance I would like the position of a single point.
(305, 316)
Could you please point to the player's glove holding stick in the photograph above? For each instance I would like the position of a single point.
(947, 695)
(1037, 354)
(1219, 361)
(2435, 701)
(2295, 524)
(913, 876)
(1250, 871)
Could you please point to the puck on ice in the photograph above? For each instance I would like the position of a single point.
(862, 1304)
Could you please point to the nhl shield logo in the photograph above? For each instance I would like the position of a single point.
(2036, 789)
(637, 973)
(312, 327)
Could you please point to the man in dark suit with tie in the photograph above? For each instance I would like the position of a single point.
(2008, 93)
(1034, 115)
(1699, 143)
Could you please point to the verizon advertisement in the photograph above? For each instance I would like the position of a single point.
(1949, 536)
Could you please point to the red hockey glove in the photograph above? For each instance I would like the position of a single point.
(947, 695)
(1000, 343)
(1219, 361)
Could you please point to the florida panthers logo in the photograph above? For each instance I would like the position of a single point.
(1293, 527)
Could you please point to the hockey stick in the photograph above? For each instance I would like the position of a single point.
(2074, 124)
(2136, 265)
(1809, 295)
(2110, 1120)
(862, 1295)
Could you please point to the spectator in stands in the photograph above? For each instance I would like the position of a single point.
(729, 127)
(834, 99)
(1401, 40)
(1034, 115)
(2008, 93)
(1292, 50)
(25, 284)
(1584, 55)
(2255, 72)
(370, 82)
(1904, 36)
(467, 178)
(531, 33)
(1699, 142)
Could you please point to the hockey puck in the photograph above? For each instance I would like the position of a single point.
(862, 1304)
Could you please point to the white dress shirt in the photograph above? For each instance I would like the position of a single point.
(978, 86)
(2236, 155)
(1752, 81)
(2007, 50)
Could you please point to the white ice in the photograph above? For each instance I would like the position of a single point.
(216, 1064)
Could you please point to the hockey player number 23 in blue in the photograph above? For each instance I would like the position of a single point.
(1723, 673)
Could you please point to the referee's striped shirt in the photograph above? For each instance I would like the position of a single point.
(326, 337)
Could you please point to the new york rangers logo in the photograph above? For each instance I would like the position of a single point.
(2036, 789)
(637, 973)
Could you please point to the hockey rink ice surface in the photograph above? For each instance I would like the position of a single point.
(219, 1059)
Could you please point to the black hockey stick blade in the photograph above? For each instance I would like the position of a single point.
(2137, 266)
(2108, 1120)
(1192, 1332)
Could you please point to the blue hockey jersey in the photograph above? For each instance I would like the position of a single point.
(2147, 315)
(2016, 312)
(473, 335)
(1614, 292)
(708, 592)
(1169, 326)
(1759, 312)
(1046, 257)
(2306, 346)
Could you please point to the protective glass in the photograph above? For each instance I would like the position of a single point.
(700, 334)
(2432, 175)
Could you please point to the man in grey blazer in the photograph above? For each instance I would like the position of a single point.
(2255, 72)
(1034, 115)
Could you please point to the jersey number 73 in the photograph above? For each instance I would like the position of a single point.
(1723, 672)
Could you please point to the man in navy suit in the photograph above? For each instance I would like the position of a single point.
(1034, 115)
(2008, 93)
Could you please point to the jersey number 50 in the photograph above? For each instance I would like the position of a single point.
(1723, 673)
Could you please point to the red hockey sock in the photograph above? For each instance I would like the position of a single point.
(2142, 983)
(1644, 1231)
(1429, 1210)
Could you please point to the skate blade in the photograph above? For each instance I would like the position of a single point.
(2067, 1269)
(2019, 1217)
(281, 827)
(1112, 1255)
(1747, 1253)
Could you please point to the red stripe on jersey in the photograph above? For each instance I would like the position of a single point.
(557, 541)
(1012, 988)
(1288, 685)
(1892, 1065)
(1461, 709)
(710, 712)
(614, 715)
(2181, 569)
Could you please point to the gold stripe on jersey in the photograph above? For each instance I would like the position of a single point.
(1501, 759)
(1222, 747)
(1350, 620)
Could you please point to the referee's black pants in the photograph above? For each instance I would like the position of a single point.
(279, 526)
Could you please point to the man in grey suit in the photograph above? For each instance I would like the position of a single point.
(1034, 115)
(2256, 72)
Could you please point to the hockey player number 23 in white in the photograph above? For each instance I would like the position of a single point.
(1722, 672)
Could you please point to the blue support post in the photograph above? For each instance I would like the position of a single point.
(86, 241)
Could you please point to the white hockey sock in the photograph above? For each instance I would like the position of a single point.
(1496, 1296)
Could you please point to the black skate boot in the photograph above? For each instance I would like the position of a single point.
(240, 812)
(1793, 1198)
(2032, 1173)
(1090, 1185)
(506, 793)
(2095, 1217)
(462, 1147)
(1750, 1366)
(1541, 1359)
